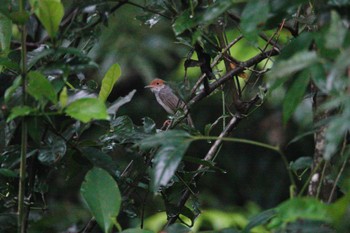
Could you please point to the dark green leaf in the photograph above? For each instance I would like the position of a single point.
(20, 111)
(301, 43)
(34, 56)
(87, 109)
(301, 163)
(173, 145)
(7, 63)
(9, 91)
(50, 14)
(40, 87)
(102, 195)
(55, 148)
(254, 15)
(108, 81)
(8, 173)
(5, 33)
(295, 95)
(260, 219)
(99, 159)
(188, 21)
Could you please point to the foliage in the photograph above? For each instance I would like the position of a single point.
(62, 138)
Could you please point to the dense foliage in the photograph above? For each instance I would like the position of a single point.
(79, 151)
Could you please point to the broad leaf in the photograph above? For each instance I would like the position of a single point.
(87, 109)
(102, 195)
(11, 90)
(54, 149)
(8, 173)
(177, 228)
(295, 95)
(41, 88)
(50, 14)
(108, 81)
(172, 147)
(20, 111)
(120, 102)
(334, 78)
(99, 159)
(5, 33)
(301, 163)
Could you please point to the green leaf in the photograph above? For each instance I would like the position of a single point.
(55, 148)
(254, 14)
(102, 195)
(99, 159)
(87, 109)
(337, 32)
(113, 109)
(5, 33)
(260, 219)
(8, 173)
(301, 43)
(63, 97)
(9, 91)
(187, 21)
(177, 228)
(334, 78)
(20, 111)
(6, 62)
(136, 230)
(299, 208)
(40, 88)
(301, 163)
(295, 95)
(108, 81)
(173, 145)
(50, 14)
(297, 62)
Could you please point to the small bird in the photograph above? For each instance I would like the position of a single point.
(167, 99)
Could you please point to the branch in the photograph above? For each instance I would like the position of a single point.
(209, 156)
(228, 76)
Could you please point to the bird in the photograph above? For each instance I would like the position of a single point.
(167, 99)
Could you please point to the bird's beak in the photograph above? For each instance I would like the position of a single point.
(148, 86)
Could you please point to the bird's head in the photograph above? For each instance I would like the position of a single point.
(156, 85)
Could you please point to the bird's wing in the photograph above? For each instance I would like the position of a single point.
(172, 101)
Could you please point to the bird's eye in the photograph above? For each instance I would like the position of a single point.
(157, 83)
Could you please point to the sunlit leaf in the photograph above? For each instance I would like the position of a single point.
(63, 98)
(20, 111)
(108, 81)
(50, 14)
(295, 95)
(40, 87)
(5, 33)
(102, 195)
(87, 109)
(172, 147)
